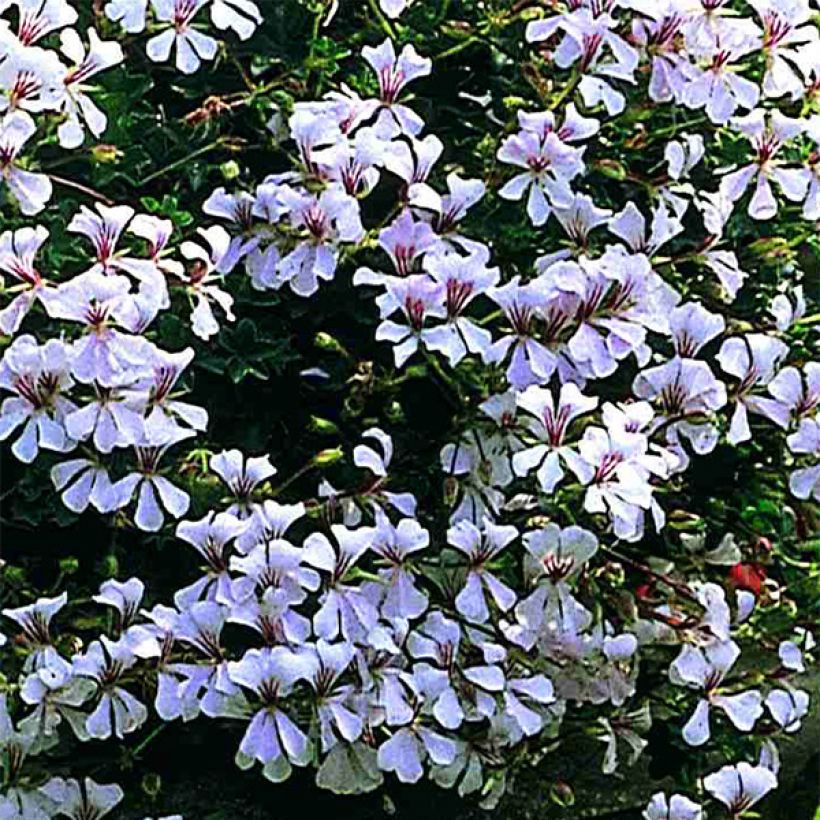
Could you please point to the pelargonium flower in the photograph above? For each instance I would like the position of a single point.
(705, 669)
(83, 482)
(676, 807)
(80, 110)
(192, 46)
(202, 279)
(18, 251)
(405, 752)
(335, 707)
(686, 396)
(740, 786)
(242, 475)
(34, 619)
(788, 707)
(240, 16)
(559, 553)
(155, 493)
(211, 537)
(788, 38)
(272, 737)
(419, 299)
(753, 360)
(619, 468)
(367, 457)
(768, 139)
(463, 279)
(325, 220)
(549, 424)
(805, 481)
(39, 19)
(530, 362)
(550, 165)
(394, 73)
(79, 801)
(117, 712)
(481, 546)
(344, 610)
(795, 394)
(31, 190)
(717, 87)
(38, 376)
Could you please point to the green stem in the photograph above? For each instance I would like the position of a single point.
(383, 21)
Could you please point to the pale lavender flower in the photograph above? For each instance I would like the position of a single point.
(419, 299)
(676, 807)
(192, 46)
(242, 474)
(31, 190)
(549, 166)
(203, 277)
(272, 737)
(805, 482)
(395, 544)
(394, 73)
(240, 16)
(405, 752)
(37, 376)
(630, 225)
(717, 87)
(788, 707)
(693, 327)
(79, 109)
(18, 251)
(103, 304)
(85, 482)
(344, 609)
(481, 546)
(530, 362)
(705, 670)
(788, 37)
(480, 465)
(156, 495)
(559, 554)
(753, 360)
(338, 719)
(549, 424)
(740, 787)
(767, 139)
(463, 279)
(39, 18)
(81, 801)
(211, 537)
(35, 619)
(795, 394)
(117, 712)
(325, 220)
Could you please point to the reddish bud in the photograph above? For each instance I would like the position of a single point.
(747, 576)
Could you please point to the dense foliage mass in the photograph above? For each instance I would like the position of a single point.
(415, 388)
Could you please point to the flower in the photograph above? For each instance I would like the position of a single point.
(741, 786)
(117, 712)
(706, 669)
(192, 46)
(31, 190)
(394, 73)
(81, 112)
(272, 737)
(38, 376)
(481, 546)
(80, 801)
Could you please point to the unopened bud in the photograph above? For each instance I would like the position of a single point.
(327, 457)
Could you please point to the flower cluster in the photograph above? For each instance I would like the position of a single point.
(358, 632)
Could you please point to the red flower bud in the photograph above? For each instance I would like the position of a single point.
(747, 576)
